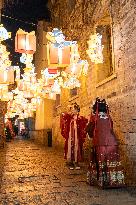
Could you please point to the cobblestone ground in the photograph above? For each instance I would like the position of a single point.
(32, 174)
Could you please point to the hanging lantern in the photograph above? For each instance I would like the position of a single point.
(28, 94)
(10, 75)
(95, 48)
(17, 70)
(52, 96)
(46, 89)
(21, 85)
(25, 42)
(71, 83)
(74, 54)
(21, 116)
(4, 89)
(7, 96)
(52, 71)
(34, 101)
(9, 115)
(58, 49)
(58, 57)
(56, 87)
(7, 76)
(4, 35)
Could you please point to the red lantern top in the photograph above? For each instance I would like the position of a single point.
(52, 70)
(25, 42)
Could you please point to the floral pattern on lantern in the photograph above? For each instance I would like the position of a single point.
(95, 48)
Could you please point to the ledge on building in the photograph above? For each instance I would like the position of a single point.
(73, 98)
(113, 76)
(58, 106)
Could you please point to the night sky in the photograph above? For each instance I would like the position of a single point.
(24, 15)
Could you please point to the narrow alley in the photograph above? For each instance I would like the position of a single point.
(32, 174)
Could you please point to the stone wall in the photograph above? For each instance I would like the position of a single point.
(41, 47)
(2, 126)
(2, 113)
(40, 136)
(77, 22)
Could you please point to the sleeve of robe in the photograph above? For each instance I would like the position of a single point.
(64, 124)
(90, 126)
(65, 127)
(82, 128)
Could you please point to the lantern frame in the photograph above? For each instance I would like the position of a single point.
(25, 42)
(58, 57)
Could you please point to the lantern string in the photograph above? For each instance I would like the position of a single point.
(19, 20)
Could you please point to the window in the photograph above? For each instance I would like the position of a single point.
(53, 2)
(105, 69)
(73, 92)
(71, 5)
(57, 100)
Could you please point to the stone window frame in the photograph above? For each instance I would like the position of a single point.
(71, 5)
(106, 80)
(74, 97)
(59, 104)
(113, 75)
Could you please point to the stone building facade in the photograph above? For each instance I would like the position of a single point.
(79, 19)
(2, 104)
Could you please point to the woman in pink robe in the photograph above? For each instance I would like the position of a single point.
(105, 167)
(73, 130)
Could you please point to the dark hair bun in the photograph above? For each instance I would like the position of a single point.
(100, 105)
(77, 107)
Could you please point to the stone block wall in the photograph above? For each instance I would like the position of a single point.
(40, 136)
(2, 113)
(78, 23)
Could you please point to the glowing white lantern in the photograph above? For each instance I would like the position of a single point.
(7, 76)
(7, 96)
(4, 35)
(95, 48)
(28, 94)
(71, 83)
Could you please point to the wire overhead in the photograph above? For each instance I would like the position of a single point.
(19, 20)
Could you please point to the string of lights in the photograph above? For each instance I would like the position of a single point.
(20, 9)
(26, 22)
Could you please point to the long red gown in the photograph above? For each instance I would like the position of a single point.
(73, 131)
(105, 167)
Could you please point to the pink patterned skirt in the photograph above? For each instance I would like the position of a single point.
(105, 169)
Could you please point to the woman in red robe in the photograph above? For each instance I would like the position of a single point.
(105, 167)
(73, 130)
(9, 130)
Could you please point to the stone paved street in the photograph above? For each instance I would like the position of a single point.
(38, 175)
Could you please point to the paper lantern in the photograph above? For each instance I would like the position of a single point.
(22, 85)
(7, 96)
(7, 76)
(25, 42)
(17, 70)
(95, 48)
(4, 34)
(53, 70)
(34, 101)
(46, 89)
(28, 94)
(58, 57)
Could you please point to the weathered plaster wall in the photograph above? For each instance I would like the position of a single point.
(2, 113)
(77, 23)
